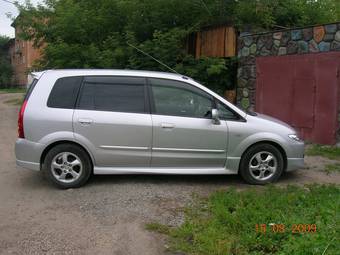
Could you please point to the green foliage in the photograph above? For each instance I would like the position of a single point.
(5, 65)
(225, 223)
(165, 46)
(12, 90)
(216, 73)
(262, 15)
(330, 152)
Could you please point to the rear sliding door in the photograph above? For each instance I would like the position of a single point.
(112, 119)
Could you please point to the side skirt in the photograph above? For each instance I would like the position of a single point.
(160, 170)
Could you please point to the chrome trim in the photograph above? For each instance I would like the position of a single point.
(187, 150)
(109, 147)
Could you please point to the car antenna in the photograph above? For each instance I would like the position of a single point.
(147, 54)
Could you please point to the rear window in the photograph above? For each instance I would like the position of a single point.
(64, 93)
(117, 94)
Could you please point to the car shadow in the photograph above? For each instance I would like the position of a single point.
(228, 180)
(36, 180)
(192, 180)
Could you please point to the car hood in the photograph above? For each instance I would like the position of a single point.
(267, 117)
(270, 123)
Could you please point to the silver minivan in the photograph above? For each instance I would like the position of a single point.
(75, 123)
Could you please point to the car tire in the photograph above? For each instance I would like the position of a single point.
(261, 164)
(67, 166)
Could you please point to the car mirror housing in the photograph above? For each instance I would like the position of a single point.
(214, 116)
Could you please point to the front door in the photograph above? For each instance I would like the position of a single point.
(184, 135)
(113, 120)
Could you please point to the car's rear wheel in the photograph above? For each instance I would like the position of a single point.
(67, 166)
(261, 164)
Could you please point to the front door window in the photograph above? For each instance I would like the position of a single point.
(176, 98)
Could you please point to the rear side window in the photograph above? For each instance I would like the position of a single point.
(116, 94)
(64, 93)
(30, 89)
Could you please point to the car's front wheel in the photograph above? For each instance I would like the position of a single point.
(261, 164)
(67, 166)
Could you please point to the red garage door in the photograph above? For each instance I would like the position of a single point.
(302, 90)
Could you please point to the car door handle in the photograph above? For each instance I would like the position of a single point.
(167, 125)
(85, 122)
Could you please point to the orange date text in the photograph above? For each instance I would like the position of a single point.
(282, 228)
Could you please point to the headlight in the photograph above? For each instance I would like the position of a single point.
(295, 137)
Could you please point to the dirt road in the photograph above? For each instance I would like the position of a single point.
(107, 216)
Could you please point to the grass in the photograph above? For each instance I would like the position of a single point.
(331, 168)
(225, 223)
(330, 152)
(14, 101)
(12, 90)
(159, 228)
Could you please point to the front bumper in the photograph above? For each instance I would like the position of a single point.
(28, 154)
(295, 163)
(295, 155)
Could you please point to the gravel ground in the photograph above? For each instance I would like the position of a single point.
(107, 216)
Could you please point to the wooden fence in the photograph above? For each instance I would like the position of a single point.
(213, 42)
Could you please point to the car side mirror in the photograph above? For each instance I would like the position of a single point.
(214, 116)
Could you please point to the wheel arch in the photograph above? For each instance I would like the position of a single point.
(52, 145)
(276, 145)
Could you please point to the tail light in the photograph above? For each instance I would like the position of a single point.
(21, 133)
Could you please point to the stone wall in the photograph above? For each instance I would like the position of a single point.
(305, 40)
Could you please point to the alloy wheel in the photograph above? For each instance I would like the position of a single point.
(66, 167)
(263, 165)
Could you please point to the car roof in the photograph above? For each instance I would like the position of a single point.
(123, 72)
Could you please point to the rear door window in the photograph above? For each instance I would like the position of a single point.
(64, 93)
(116, 94)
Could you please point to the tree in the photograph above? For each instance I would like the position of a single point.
(99, 34)
(5, 65)
(268, 14)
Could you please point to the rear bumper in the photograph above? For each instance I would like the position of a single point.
(28, 154)
(28, 165)
(294, 164)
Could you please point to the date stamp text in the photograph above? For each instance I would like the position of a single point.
(282, 228)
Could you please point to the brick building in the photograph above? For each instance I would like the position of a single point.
(22, 56)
